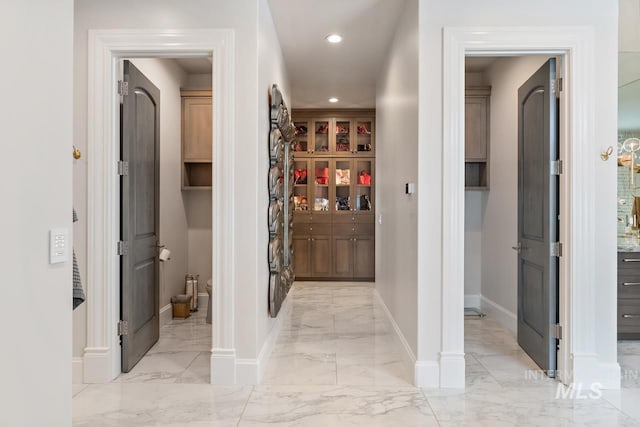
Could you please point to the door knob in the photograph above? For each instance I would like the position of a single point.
(517, 248)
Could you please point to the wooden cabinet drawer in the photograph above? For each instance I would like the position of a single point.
(343, 219)
(344, 229)
(320, 229)
(300, 229)
(628, 261)
(628, 285)
(365, 229)
(629, 316)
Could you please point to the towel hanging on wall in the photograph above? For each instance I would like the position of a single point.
(78, 292)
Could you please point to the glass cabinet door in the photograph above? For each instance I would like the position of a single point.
(343, 184)
(364, 137)
(301, 180)
(321, 136)
(343, 136)
(321, 185)
(301, 144)
(364, 186)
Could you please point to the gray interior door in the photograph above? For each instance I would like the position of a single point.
(140, 285)
(538, 216)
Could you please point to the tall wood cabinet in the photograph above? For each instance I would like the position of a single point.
(334, 194)
(476, 137)
(197, 131)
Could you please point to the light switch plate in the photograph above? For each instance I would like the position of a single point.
(58, 245)
(410, 188)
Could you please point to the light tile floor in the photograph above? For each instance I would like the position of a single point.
(337, 362)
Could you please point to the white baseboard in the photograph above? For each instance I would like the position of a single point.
(166, 314)
(506, 318)
(452, 370)
(427, 374)
(247, 371)
(588, 372)
(408, 354)
(97, 365)
(472, 300)
(77, 370)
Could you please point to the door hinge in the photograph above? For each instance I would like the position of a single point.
(556, 167)
(556, 249)
(123, 168)
(557, 86)
(123, 328)
(123, 88)
(123, 247)
(555, 330)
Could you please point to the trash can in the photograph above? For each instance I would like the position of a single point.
(181, 305)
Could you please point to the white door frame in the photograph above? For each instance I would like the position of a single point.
(577, 357)
(102, 357)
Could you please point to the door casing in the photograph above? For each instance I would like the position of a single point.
(574, 46)
(102, 360)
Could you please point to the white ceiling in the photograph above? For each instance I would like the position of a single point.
(319, 70)
(195, 65)
(478, 64)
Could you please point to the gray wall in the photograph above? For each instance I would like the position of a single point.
(396, 164)
(36, 173)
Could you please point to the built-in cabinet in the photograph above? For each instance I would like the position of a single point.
(197, 128)
(334, 195)
(476, 139)
(629, 295)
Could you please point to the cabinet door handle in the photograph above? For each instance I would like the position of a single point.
(631, 316)
(630, 284)
(631, 260)
(309, 239)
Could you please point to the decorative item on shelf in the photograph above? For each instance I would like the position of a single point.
(342, 129)
(281, 179)
(342, 143)
(364, 147)
(300, 203)
(321, 204)
(342, 203)
(343, 176)
(362, 130)
(323, 128)
(364, 203)
(364, 178)
(322, 176)
(300, 176)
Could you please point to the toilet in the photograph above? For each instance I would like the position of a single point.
(209, 286)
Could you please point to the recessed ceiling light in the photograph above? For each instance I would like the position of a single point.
(333, 100)
(334, 38)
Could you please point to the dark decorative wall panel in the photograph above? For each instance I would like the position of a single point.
(280, 216)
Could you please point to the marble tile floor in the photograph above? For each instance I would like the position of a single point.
(181, 355)
(338, 363)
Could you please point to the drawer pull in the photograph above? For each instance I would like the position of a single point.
(631, 260)
(631, 316)
(630, 284)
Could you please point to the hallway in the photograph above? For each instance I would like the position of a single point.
(337, 363)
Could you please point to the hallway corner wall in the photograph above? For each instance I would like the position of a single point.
(397, 152)
(271, 70)
(37, 196)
